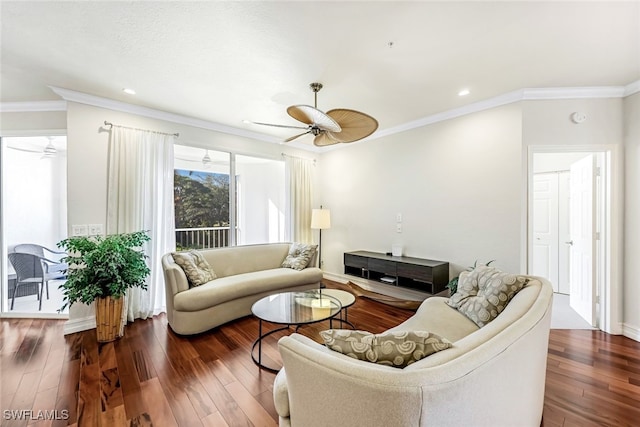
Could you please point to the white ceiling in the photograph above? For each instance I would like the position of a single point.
(227, 62)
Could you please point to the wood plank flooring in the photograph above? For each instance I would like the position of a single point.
(154, 377)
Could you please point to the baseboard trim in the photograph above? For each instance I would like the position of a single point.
(632, 332)
(380, 288)
(79, 325)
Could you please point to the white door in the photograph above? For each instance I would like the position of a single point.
(545, 227)
(582, 253)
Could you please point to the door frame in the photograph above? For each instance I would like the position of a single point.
(609, 267)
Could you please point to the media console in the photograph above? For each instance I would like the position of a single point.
(417, 273)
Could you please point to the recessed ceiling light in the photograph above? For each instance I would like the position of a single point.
(464, 92)
(129, 91)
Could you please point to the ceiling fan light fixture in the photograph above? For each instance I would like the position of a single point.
(206, 160)
(50, 150)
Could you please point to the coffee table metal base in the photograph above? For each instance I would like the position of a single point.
(261, 336)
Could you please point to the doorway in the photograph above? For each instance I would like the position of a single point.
(569, 208)
(34, 219)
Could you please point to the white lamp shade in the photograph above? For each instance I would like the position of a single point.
(320, 219)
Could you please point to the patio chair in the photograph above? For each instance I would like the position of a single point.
(31, 268)
(45, 253)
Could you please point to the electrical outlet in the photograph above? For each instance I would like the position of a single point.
(79, 230)
(398, 217)
(96, 230)
(399, 228)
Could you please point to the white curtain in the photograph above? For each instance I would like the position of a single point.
(140, 197)
(300, 198)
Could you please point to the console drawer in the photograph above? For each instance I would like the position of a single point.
(355, 261)
(382, 266)
(416, 272)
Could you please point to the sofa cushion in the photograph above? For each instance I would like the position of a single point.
(196, 268)
(228, 288)
(299, 256)
(396, 349)
(485, 292)
(233, 260)
(435, 315)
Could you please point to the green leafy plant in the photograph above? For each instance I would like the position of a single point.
(453, 283)
(102, 266)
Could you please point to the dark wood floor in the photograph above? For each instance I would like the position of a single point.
(154, 377)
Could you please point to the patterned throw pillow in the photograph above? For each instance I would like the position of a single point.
(196, 268)
(397, 349)
(485, 292)
(299, 256)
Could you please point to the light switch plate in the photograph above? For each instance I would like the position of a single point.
(79, 230)
(96, 230)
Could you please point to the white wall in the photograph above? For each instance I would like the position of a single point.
(42, 123)
(632, 216)
(549, 122)
(456, 183)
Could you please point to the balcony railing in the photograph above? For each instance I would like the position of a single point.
(202, 238)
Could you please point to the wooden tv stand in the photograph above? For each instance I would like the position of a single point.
(425, 275)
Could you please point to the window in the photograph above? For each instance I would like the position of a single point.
(213, 210)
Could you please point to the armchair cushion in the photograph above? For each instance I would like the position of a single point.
(397, 349)
(484, 292)
(299, 256)
(196, 268)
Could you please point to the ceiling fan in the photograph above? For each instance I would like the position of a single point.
(334, 126)
(48, 152)
(206, 160)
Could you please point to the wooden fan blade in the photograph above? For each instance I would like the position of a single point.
(355, 125)
(323, 139)
(312, 116)
(279, 126)
(297, 136)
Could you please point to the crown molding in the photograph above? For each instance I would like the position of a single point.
(573, 92)
(32, 106)
(475, 107)
(526, 94)
(632, 88)
(97, 101)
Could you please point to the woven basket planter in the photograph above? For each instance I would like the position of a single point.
(109, 318)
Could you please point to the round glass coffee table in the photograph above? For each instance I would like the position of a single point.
(291, 309)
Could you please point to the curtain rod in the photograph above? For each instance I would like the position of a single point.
(297, 157)
(106, 123)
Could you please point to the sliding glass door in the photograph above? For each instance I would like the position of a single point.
(34, 220)
(260, 200)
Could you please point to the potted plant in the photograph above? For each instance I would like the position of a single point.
(101, 269)
(453, 283)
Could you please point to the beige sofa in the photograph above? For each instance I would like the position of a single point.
(491, 376)
(244, 275)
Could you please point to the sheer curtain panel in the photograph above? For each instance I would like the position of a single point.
(140, 197)
(300, 198)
